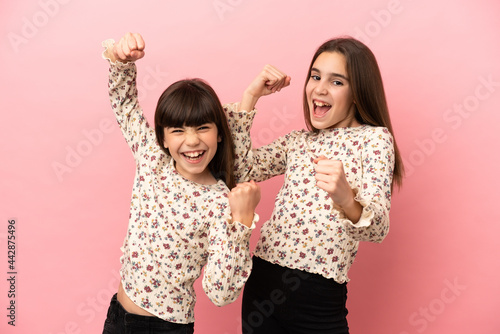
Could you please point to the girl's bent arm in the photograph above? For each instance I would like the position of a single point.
(374, 195)
(229, 261)
(254, 164)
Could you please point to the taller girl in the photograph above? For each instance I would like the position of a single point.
(337, 190)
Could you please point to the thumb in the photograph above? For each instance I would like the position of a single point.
(321, 157)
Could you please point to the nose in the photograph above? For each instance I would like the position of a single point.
(320, 87)
(192, 138)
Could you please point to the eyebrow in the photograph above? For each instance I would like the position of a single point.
(333, 74)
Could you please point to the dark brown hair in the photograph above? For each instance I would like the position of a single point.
(367, 89)
(192, 102)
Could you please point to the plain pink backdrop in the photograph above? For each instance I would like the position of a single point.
(66, 172)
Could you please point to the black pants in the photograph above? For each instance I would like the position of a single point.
(120, 321)
(280, 300)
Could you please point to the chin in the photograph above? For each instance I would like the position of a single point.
(318, 125)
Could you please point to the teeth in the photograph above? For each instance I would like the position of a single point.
(193, 154)
(321, 104)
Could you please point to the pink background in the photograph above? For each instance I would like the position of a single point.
(437, 271)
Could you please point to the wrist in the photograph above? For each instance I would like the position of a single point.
(248, 101)
(245, 219)
(352, 209)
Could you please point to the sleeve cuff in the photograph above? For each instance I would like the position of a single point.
(107, 45)
(366, 215)
(239, 231)
(255, 220)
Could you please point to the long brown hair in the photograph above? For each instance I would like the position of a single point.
(192, 102)
(367, 89)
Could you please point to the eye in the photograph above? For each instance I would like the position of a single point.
(176, 130)
(337, 83)
(315, 77)
(205, 127)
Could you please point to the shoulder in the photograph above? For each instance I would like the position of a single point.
(378, 144)
(376, 134)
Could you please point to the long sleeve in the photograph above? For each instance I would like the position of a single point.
(254, 164)
(229, 261)
(374, 194)
(124, 102)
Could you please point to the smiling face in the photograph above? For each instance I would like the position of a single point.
(329, 94)
(192, 148)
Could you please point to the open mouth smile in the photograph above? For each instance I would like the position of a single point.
(194, 156)
(321, 108)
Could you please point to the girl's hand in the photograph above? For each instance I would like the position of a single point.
(243, 200)
(129, 48)
(270, 80)
(330, 177)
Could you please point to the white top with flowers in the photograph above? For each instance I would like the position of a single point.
(176, 226)
(307, 231)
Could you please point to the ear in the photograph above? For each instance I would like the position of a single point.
(219, 139)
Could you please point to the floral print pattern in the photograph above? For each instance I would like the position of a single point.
(176, 226)
(307, 231)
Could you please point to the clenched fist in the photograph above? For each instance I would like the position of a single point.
(331, 178)
(243, 200)
(129, 48)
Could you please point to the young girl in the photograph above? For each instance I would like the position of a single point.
(336, 191)
(183, 216)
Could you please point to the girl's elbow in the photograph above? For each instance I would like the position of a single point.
(380, 237)
(219, 300)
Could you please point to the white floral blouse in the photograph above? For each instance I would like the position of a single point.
(306, 230)
(176, 226)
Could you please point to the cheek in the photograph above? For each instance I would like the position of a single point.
(343, 97)
(217, 140)
(212, 139)
(171, 142)
(309, 88)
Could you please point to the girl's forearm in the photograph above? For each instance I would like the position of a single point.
(352, 210)
(248, 102)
